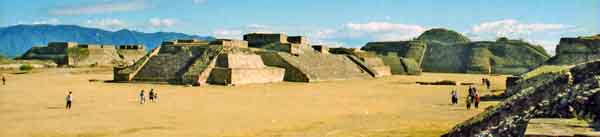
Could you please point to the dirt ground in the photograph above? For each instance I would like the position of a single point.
(33, 105)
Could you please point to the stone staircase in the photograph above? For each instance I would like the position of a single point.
(128, 73)
(324, 67)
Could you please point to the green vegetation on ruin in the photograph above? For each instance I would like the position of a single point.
(546, 69)
(444, 36)
(449, 51)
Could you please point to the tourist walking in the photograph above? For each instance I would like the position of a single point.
(142, 98)
(155, 96)
(468, 102)
(3, 80)
(151, 95)
(69, 99)
(477, 100)
(454, 97)
(487, 83)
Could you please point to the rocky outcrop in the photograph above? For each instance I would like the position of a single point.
(572, 94)
(572, 51)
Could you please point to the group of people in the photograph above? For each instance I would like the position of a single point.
(152, 95)
(486, 82)
(472, 98)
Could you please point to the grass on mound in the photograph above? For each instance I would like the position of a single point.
(546, 69)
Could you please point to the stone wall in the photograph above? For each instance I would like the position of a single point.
(292, 73)
(576, 50)
(230, 43)
(403, 57)
(321, 48)
(298, 40)
(260, 39)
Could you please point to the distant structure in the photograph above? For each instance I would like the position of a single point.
(450, 52)
(404, 57)
(223, 61)
(74, 54)
(571, 51)
(259, 58)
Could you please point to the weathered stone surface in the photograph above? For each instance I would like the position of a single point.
(403, 57)
(576, 50)
(556, 127)
(449, 51)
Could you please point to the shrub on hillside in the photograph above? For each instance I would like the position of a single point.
(25, 67)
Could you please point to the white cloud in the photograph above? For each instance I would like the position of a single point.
(384, 31)
(99, 8)
(107, 23)
(512, 28)
(160, 23)
(349, 34)
(52, 21)
(225, 33)
(384, 27)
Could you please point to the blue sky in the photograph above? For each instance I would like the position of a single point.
(341, 22)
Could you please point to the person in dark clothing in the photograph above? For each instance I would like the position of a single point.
(454, 97)
(69, 99)
(3, 80)
(151, 95)
(487, 83)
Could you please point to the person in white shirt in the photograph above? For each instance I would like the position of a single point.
(69, 100)
(142, 98)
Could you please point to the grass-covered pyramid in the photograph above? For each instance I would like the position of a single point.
(449, 51)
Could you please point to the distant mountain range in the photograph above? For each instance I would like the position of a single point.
(16, 40)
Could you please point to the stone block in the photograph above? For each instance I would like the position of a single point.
(229, 60)
(237, 76)
(231, 43)
(321, 48)
(298, 40)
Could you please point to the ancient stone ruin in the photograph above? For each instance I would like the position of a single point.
(572, 51)
(449, 51)
(572, 94)
(259, 58)
(404, 57)
(74, 54)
